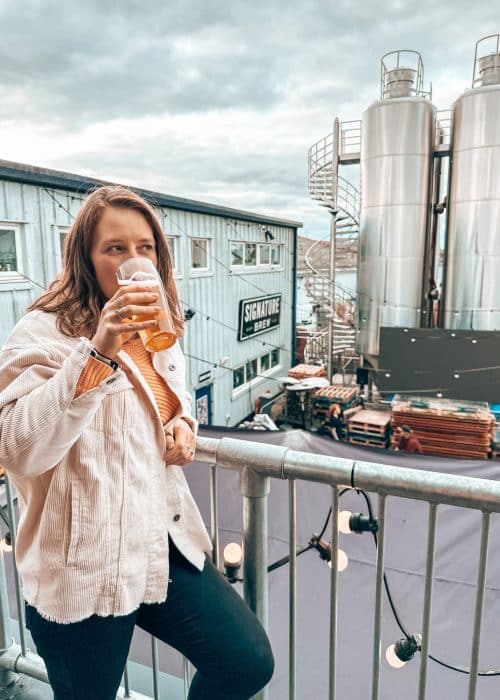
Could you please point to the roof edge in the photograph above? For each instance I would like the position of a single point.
(57, 179)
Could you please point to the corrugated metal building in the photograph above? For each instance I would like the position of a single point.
(235, 270)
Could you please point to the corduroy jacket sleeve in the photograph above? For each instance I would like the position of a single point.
(40, 418)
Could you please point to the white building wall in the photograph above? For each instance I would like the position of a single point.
(211, 335)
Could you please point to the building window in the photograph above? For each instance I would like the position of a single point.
(238, 377)
(11, 257)
(276, 254)
(245, 254)
(199, 253)
(237, 254)
(8, 250)
(254, 369)
(62, 232)
(173, 244)
(251, 254)
(265, 362)
(251, 368)
(264, 254)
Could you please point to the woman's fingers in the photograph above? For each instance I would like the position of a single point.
(127, 312)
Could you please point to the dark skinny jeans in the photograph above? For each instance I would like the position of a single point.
(203, 617)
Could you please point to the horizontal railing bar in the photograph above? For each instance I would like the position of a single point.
(281, 462)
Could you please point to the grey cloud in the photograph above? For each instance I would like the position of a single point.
(98, 61)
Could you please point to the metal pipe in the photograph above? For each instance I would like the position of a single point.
(214, 515)
(126, 681)
(478, 614)
(292, 520)
(156, 669)
(17, 583)
(5, 636)
(379, 587)
(426, 622)
(333, 594)
(255, 489)
(281, 462)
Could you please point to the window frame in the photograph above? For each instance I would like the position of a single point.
(259, 266)
(173, 242)
(194, 271)
(7, 277)
(261, 375)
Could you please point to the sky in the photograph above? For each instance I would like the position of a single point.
(216, 101)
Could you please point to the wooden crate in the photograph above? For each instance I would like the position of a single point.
(306, 371)
(374, 422)
(367, 442)
(337, 394)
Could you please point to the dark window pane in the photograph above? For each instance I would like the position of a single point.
(251, 369)
(250, 254)
(264, 363)
(8, 253)
(238, 377)
(199, 253)
(237, 252)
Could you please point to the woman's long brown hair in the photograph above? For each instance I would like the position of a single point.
(75, 296)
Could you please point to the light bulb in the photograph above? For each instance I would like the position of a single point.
(344, 518)
(392, 658)
(342, 561)
(5, 546)
(233, 554)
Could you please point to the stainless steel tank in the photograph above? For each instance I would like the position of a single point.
(472, 291)
(396, 165)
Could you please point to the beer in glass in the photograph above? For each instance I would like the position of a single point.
(142, 272)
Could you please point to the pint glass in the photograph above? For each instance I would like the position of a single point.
(142, 272)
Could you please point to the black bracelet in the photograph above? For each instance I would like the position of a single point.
(102, 358)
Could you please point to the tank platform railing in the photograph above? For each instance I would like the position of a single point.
(400, 65)
(350, 142)
(443, 131)
(259, 463)
(486, 60)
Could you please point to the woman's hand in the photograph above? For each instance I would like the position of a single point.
(117, 314)
(181, 444)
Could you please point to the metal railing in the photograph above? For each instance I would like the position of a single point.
(257, 464)
(350, 137)
(443, 127)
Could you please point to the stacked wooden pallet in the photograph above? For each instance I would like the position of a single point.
(369, 428)
(306, 371)
(446, 427)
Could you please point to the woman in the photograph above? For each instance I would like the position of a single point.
(94, 431)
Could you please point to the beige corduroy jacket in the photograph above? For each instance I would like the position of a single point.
(96, 500)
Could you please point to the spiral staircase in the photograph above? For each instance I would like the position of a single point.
(341, 198)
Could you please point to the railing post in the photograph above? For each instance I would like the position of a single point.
(6, 677)
(255, 489)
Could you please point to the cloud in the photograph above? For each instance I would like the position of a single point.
(217, 101)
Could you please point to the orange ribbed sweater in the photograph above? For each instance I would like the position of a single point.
(95, 372)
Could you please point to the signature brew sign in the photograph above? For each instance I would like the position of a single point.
(258, 315)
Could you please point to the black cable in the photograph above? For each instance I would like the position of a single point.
(459, 669)
(284, 560)
(225, 325)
